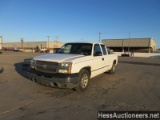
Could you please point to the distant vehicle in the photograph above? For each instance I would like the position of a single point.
(125, 55)
(43, 50)
(16, 50)
(72, 66)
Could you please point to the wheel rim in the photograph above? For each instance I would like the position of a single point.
(84, 81)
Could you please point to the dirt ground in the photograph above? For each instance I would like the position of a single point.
(134, 86)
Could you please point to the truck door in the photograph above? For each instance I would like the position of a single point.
(106, 58)
(98, 61)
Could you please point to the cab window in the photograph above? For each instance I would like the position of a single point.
(97, 48)
(104, 49)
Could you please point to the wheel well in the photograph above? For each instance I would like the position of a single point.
(88, 69)
(114, 62)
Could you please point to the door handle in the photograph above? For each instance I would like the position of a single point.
(102, 59)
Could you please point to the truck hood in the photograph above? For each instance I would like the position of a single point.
(58, 57)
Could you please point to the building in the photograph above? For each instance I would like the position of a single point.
(145, 45)
(0, 42)
(33, 45)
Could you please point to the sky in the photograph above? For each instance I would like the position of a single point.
(79, 20)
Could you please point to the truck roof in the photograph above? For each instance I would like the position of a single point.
(86, 42)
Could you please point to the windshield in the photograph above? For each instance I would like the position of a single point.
(76, 48)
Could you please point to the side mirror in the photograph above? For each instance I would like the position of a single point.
(56, 51)
(98, 53)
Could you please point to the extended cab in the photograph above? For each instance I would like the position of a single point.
(72, 66)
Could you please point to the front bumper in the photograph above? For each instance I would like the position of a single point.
(54, 80)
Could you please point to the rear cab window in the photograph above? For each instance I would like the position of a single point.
(104, 49)
(96, 48)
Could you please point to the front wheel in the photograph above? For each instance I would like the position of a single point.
(83, 81)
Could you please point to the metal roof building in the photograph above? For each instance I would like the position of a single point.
(0, 42)
(131, 44)
(33, 45)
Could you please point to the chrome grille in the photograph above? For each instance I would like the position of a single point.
(46, 63)
(46, 67)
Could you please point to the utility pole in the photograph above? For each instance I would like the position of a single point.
(122, 46)
(48, 41)
(22, 43)
(129, 43)
(99, 37)
(57, 38)
(56, 43)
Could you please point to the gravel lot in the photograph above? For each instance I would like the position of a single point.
(134, 86)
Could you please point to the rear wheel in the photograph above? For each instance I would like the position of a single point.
(83, 81)
(112, 70)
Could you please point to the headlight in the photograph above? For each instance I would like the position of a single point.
(65, 65)
(65, 68)
(32, 63)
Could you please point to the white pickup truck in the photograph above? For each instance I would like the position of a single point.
(72, 66)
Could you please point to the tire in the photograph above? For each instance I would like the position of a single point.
(83, 81)
(112, 70)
